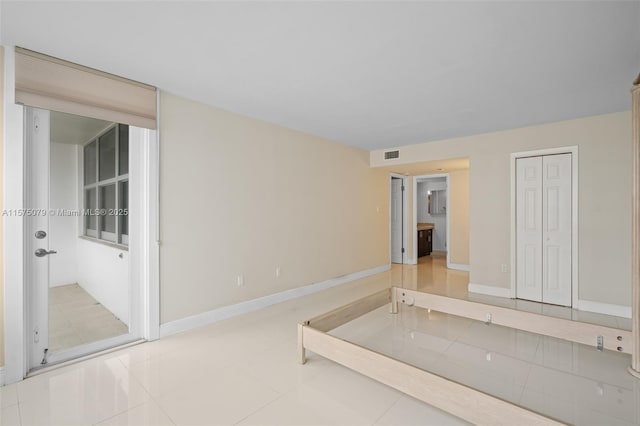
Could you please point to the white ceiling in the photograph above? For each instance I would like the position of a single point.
(368, 74)
(73, 129)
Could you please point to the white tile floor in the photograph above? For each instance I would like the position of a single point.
(244, 371)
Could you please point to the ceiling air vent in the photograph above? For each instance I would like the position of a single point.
(390, 155)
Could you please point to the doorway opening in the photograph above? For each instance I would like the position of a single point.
(544, 226)
(397, 218)
(27, 126)
(80, 289)
(431, 216)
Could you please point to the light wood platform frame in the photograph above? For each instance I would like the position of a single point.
(459, 400)
(574, 331)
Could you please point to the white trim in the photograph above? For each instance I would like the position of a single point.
(87, 350)
(573, 150)
(151, 309)
(83, 358)
(458, 266)
(145, 260)
(225, 312)
(405, 212)
(1, 376)
(414, 229)
(490, 290)
(14, 316)
(604, 308)
(581, 305)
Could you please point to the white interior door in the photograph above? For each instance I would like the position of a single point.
(543, 229)
(556, 224)
(529, 228)
(396, 220)
(37, 233)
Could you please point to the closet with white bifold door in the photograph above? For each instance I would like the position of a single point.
(544, 228)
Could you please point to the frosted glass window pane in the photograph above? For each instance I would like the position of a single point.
(90, 205)
(123, 152)
(107, 146)
(108, 203)
(90, 163)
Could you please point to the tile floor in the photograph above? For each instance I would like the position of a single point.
(75, 317)
(432, 276)
(244, 371)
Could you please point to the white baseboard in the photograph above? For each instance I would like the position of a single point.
(604, 308)
(1, 376)
(225, 312)
(458, 266)
(489, 290)
(582, 305)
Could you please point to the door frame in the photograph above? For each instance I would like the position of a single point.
(414, 228)
(15, 311)
(405, 209)
(573, 150)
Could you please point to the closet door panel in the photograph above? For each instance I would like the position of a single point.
(529, 228)
(557, 229)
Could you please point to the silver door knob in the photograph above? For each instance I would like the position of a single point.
(43, 252)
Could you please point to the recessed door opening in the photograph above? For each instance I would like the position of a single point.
(431, 211)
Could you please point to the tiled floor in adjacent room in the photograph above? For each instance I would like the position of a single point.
(75, 318)
(244, 370)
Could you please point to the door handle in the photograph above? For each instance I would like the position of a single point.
(42, 252)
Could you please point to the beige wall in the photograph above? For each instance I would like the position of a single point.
(1, 206)
(604, 193)
(459, 217)
(241, 196)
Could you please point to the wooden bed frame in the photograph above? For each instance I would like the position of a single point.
(459, 400)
